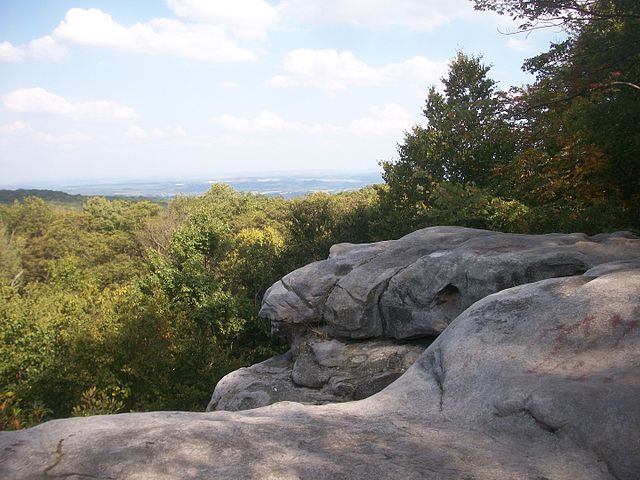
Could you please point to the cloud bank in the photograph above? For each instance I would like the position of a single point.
(39, 100)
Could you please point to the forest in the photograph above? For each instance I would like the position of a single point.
(111, 306)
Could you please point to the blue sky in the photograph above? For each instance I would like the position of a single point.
(183, 88)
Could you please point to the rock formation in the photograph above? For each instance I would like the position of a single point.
(357, 320)
(322, 371)
(539, 381)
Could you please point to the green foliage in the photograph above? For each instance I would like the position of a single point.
(50, 196)
(466, 138)
(94, 402)
(252, 262)
(29, 218)
(466, 135)
(108, 216)
(54, 197)
(320, 220)
(14, 417)
(11, 247)
(578, 124)
(123, 306)
(560, 154)
(469, 206)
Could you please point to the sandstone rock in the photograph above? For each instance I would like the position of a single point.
(263, 384)
(560, 355)
(611, 267)
(409, 288)
(539, 381)
(415, 286)
(322, 371)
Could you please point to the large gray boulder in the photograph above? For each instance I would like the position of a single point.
(410, 288)
(540, 381)
(562, 355)
(415, 286)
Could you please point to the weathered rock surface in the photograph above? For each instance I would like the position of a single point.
(417, 285)
(397, 290)
(540, 381)
(322, 371)
(561, 354)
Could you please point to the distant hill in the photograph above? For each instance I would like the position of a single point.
(286, 185)
(7, 197)
(52, 196)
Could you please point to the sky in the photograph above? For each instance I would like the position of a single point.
(115, 89)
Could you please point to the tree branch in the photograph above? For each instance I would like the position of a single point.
(16, 279)
(628, 84)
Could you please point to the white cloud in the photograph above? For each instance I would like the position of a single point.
(9, 53)
(333, 71)
(160, 36)
(15, 129)
(326, 69)
(135, 132)
(389, 119)
(283, 81)
(44, 48)
(12, 133)
(253, 18)
(47, 48)
(39, 100)
(374, 14)
(205, 33)
(266, 122)
(418, 68)
(170, 132)
(246, 18)
(66, 139)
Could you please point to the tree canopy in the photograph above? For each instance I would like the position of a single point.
(563, 151)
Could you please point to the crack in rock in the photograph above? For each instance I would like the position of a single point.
(436, 368)
(350, 295)
(59, 454)
(322, 304)
(383, 318)
(384, 321)
(84, 475)
(370, 259)
(501, 413)
(58, 459)
(325, 297)
(610, 470)
(290, 288)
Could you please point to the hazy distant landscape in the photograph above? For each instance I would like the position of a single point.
(287, 185)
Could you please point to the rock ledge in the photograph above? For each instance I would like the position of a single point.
(366, 302)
